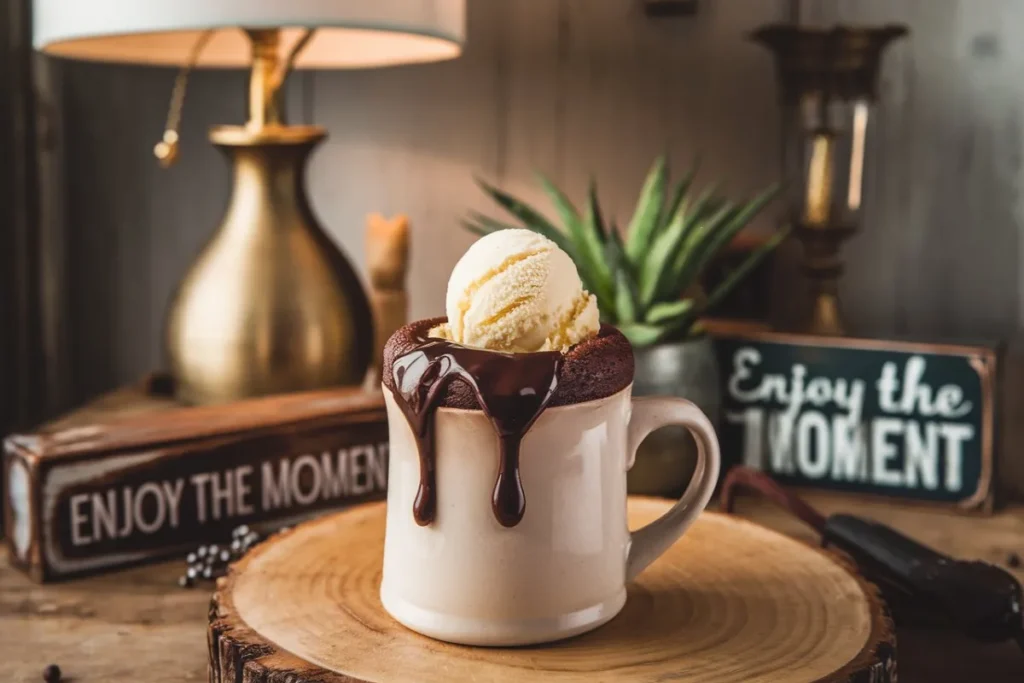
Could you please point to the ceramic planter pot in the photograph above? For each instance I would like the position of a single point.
(687, 369)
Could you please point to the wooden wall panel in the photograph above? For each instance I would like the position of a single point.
(22, 332)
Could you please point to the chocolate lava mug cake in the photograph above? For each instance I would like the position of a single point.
(506, 520)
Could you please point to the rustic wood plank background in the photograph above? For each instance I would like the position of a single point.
(21, 354)
(572, 88)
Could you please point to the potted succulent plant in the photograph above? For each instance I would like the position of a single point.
(647, 283)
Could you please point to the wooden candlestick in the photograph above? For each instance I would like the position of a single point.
(387, 259)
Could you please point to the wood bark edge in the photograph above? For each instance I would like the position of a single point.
(237, 654)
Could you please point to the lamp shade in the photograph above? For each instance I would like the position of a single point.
(350, 33)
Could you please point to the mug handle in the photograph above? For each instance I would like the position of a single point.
(649, 414)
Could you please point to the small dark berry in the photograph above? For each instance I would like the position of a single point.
(201, 552)
(214, 549)
(242, 530)
(51, 674)
(191, 573)
(236, 545)
(190, 558)
(1013, 561)
(208, 573)
(225, 556)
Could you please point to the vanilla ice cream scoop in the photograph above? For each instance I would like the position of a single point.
(515, 290)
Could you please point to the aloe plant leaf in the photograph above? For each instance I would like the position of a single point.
(744, 269)
(647, 216)
(604, 290)
(530, 217)
(486, 222)
(566, 210)
(590, 268)
(626, 298)
(642, 334)
(658, 257)
(688, 274)
(614, 250)
(707, 203)
(625, 304)
(679, 194)
(477, 229)
(721, 230)
(591, 237)
(613, 258)
(594, 221)
(686, 265)
(667, 311)
(681, 323)
(517, 208)
(709, 233)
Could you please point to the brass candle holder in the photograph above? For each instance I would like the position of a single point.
(828, 80)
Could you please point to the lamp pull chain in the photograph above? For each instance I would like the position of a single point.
(296, 50)
(166, 150)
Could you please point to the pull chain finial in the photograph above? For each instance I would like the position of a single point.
(166, 150)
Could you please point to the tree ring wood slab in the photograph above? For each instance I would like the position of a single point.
(731, 601)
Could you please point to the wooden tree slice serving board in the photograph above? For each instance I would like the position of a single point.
(731, 601)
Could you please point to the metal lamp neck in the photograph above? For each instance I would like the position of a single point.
(265, 79)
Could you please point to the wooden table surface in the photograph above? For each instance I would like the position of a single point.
(138, 626)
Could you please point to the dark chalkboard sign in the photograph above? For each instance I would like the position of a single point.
(901, 419)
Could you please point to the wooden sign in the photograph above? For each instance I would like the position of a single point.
(894, 418)
(110, 493)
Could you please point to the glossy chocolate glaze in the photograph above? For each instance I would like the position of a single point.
(512, 389)
(591, 370)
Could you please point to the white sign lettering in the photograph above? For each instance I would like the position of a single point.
(814, 426)
(213, 496)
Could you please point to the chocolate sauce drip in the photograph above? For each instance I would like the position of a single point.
(512, 389)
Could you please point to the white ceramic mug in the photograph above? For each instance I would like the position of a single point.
(563, 569)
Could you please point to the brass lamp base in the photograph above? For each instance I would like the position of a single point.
(271, 305)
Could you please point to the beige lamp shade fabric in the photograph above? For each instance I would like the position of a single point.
(350, 33)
